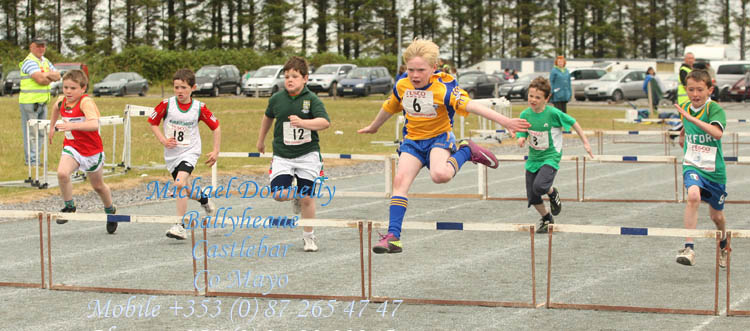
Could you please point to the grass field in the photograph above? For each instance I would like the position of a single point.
(240, 119)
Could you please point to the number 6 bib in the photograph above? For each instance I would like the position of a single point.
(295, 136)
(418, 103)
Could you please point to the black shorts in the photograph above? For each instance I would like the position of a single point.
(183, 166)
(285, 182)
(538, 183)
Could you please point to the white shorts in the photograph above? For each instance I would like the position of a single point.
(85, 163)
(307, 166)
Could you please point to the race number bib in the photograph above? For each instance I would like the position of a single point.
(700, 156)
(69, 133)
(418, 103)
(296, 136)
(539, 140)
(179, 133)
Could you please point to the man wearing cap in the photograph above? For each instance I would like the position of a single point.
(37, 73)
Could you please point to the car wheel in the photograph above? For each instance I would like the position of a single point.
(525, 95)
(123, 92)
(143, 91)
(238, 90)
(472, 94)
(724, 95)
(387, 89)
(332, 89)
(215, 92)
(617, 96)
(367, 91)
(581, 99)
(97, 95)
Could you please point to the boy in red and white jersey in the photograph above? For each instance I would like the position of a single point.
(182, 141)
(82, 147)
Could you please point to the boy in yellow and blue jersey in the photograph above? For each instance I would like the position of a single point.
(429, 99)
(703, 169)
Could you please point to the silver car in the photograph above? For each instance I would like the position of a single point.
(580, 78)
(618, 86)
(327, 77)
(266, 81)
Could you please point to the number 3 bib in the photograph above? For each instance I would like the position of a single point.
(539, 140)
(295, 136)
(700, 156)
(418, 103)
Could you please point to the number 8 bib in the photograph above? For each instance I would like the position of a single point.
(418, 103)
(295, 136)
(179, 133)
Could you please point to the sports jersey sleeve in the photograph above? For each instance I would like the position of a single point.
(459, 99)
(88, 107)
(566, 121)
(207, 117)
(159, 112)
(269, 109)
(717, 116)
(393, 104)
(524, 115)
(317, 109)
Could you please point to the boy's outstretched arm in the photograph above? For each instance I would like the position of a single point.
(314, 124)
(265, 125)
(214, 154)
(377, 122)
(713, 130)
(585, 140)
(512, 124)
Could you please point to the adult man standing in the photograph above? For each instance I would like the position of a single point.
(36, 74)
(685, 69)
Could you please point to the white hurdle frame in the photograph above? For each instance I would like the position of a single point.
(629, 159)
(616, 230)
(26, 215)
(500, 105)
(453, 226)
(734, 234)
(44, 125)
(129, 112)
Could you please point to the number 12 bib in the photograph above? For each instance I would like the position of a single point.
(296, 136)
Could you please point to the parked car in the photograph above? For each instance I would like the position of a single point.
(12, 82)
(580, 78)
(63, 67)
(247, 75)
(365, 80)
(670, 83)
(214, 80)
(266, 81)
(519, 88)
(618, 86)
(737, 92)
(480, 85)
(727, 74)
(121, 84)
(327, 77)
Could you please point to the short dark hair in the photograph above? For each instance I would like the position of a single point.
(542, 84)
(186, 75)
(700, 75)
(297, 63)
(77, 76)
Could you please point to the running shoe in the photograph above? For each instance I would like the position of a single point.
(686, 256)
(480, 154)
(65, 210)
(555, 205)
(177, 232)
(544, 224)
(387, 244)
(112, 226)
(310, 245)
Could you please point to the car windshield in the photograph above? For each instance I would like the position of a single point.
(326, 70)
(13, 74)
(265, 73)
(359, 73)
(115, 77)
(467, 80)
(210, 72)
(613, 76)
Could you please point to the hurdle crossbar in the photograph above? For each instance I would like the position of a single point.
(630, 159)
(27, 214)
(734, 234)
(129, 112)
(522, 158)
(496, 227)
(338, 223)
(615, 230)
(113, 218)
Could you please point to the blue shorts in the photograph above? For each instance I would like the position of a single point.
(711, 192)
(421, 148)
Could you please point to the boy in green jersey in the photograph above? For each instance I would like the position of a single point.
(703, 169)
(545, 137)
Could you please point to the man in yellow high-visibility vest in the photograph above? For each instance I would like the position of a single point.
(685, 69)
(37, 73)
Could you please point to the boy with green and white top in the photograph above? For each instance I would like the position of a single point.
(299, 115)
(545, 137)
(703, 169)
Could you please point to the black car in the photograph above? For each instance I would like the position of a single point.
(12, 82)
(480, 85)
(122, 83)
(519, 88)
(213, 80)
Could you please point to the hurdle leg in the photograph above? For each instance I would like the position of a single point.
(49, 250)
(716, 284)
(729, 264)
(361, 257)
(369, 260)
(533, 268)
(41, 248)
(578, 185)
(675, 181)
(583, 181)
(549, 263)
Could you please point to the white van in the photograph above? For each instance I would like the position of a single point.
(714, 52)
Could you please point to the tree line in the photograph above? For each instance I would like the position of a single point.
(468, 30)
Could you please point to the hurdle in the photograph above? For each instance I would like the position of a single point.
(459, 226)
(500, 105)
(112, 218)
(614, 133)
(629, 159)
(36, 125)
(661, 121)
(337, 223)
(523, 158)
(130, 112)
(734, 234)
(616, 230)
(736, 141)
(28, 214)
(388, 162)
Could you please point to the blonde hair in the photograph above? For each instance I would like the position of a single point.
(426, 49)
